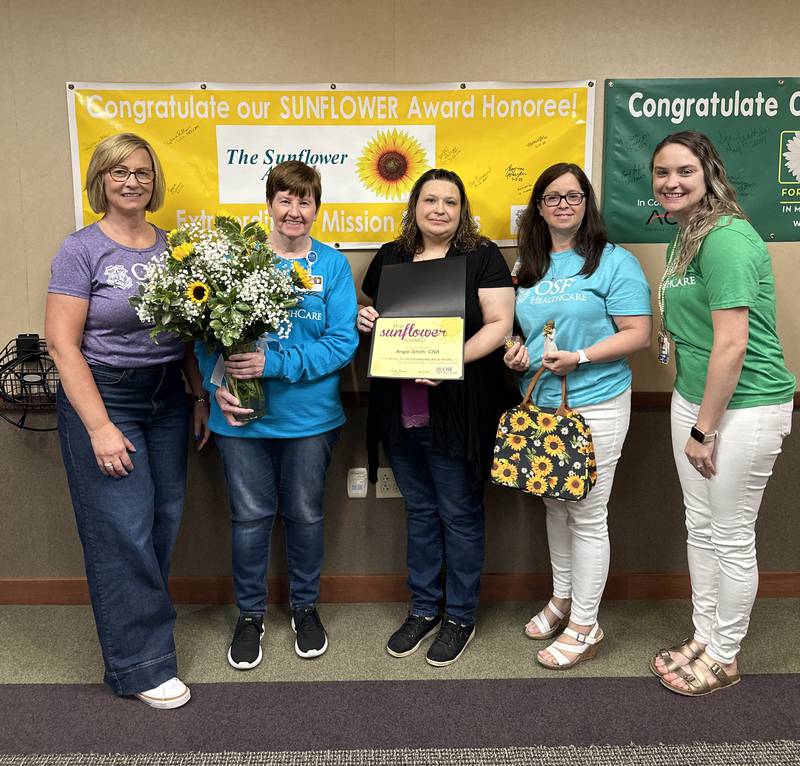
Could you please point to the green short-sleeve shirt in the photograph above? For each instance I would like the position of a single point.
(732, 270)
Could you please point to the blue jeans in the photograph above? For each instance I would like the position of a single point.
(266, 477)
(128, 526)
(444, 511)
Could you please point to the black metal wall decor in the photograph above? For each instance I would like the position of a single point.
(28, 383)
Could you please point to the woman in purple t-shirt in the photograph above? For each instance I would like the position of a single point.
(122, 420)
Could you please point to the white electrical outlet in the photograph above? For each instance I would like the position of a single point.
(357, 482)
(386, 486)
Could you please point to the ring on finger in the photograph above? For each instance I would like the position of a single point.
(108, 465)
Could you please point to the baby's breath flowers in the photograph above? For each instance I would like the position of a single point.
(224, 286)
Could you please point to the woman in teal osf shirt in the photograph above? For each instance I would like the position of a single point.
(598, 297)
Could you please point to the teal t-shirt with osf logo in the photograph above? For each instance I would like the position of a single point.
(731, 270)
(582, 309)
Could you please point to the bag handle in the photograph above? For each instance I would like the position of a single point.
(526, 401)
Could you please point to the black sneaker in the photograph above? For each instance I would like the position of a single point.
(245, 651)
(407, 638)
(311, 638)
(450, 643)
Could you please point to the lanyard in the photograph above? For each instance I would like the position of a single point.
(664, 339)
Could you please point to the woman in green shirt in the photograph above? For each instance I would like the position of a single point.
(732, 404)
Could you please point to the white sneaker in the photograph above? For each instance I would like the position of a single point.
(170, 694)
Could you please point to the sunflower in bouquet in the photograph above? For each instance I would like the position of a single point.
(224, 286)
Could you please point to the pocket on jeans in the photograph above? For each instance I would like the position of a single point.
(787, 419)
(107, 376)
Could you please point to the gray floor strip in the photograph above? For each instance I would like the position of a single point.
(779, 753)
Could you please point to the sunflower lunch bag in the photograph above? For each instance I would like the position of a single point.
(544, 452)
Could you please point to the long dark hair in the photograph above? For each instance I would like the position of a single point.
(466, 236)
(533, 238)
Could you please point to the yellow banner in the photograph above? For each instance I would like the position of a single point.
(217, 144)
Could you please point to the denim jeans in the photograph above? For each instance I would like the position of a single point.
(267, 477)
(444, 513)
(128, 526)
(721, 515)
(577, 531)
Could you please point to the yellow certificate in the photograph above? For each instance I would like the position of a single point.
(418, 347)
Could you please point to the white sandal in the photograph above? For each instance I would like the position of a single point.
(545, 629)
(585, 650)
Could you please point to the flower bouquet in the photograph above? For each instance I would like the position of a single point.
(223, 286)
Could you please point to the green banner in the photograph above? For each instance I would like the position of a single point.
(753, 122)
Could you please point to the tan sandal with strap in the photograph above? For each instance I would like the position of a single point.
(545, 628)
(699, 684)
(585, 650)
(689, 648)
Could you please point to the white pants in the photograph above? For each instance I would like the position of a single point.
(721, 517)
(577, 531)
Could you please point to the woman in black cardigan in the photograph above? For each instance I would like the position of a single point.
(439, 435)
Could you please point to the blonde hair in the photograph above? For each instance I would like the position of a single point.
(112, 151)
(718, 201)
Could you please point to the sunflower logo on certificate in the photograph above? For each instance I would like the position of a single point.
(391, 162)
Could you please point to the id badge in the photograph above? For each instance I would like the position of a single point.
(316, 283)
(663, 347)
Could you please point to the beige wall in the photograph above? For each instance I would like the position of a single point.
(45, 43)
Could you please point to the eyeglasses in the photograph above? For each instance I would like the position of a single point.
(554, 200)
(143, 176)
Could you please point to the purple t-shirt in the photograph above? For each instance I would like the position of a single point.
(90, 265)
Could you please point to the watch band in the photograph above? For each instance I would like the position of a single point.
(582, 358)
(701, 437)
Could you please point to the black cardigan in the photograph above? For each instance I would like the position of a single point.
(463, 413)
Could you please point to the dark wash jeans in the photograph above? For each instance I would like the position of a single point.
(444, 512)
(266, 477)
(128, 526)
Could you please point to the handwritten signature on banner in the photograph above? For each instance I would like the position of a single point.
(515, 172)
(448, 154)
(635, 174)
(478, 180)
(737, 143)
(181, 134)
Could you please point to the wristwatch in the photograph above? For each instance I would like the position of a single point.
(582, 358)
(701, 437)
(200, 399)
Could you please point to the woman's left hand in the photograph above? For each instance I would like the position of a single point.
(200, 415)
(246, 366)
(560, 362)
(701, 457)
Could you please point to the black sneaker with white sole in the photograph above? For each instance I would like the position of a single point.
(245, 650)
(450, 643)
(311, 637)
(408, 637)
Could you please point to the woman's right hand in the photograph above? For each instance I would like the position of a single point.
(366, 319)
(229, 405)
(111, 448)
(516, 358)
